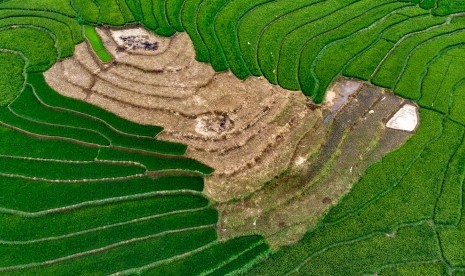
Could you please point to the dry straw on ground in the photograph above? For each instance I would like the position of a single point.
(280, 161)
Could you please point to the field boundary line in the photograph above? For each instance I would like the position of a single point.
(313, 75)
(99, 202)
(105, 227)
(421, 45)
(355, 240)
(231, 259)
(335, 43)
(103, 249)
(86, 115)
(283, 36)
(400, 41)
(303, 46)
(388, 189)
(141, 269)
(425, 72)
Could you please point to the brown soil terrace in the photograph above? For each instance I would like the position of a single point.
(279, 160)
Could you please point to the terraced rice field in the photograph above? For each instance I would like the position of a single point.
(85, 191)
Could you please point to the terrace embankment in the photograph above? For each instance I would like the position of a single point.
(280, 161)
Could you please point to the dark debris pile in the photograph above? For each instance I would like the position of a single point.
(139, 43)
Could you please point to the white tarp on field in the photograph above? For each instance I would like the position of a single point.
(405, 119)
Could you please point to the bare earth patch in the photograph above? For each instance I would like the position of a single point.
(280, 161)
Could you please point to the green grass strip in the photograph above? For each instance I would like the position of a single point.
(16, 254)
(449, 206)
(29, 195)
(97, 44)
(37, 147)
(126, 256)
(58, 7)
(37, 46)
(63, 222)
(56, 132)
(207, 259)
(52, 98)
(28, 106)
(243, 261)
(59, 170)
(11, 77)
(155, 162)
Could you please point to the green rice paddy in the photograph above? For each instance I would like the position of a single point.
(75, 196)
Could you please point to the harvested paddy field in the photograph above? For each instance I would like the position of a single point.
(279, 160)
(230, 137)
(248, 131)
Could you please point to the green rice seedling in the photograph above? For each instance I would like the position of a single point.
(206, 17)
(148, 16)
(245, 261)
(226, 31)
(311, 50)
(411, 244)
(155, 162)
(57, 7)
(394, 64)
(451, 240)
(77, 135)
(135, 7)
(433, 268)
(110, 12)
(448, 209)
(457, 102)
(445, 7)
(189, 23)
(208, 259)
(336, 58)
(37, 45)
(159, 11)
(365, 254)
(47, 20)
(28, 106)
(411, 26)
(66, 171)
(254, 22)
(365, 64)
(173, 13)
(328, 27)
(39, 251)
(97, 44)
(52, 98)
(87, 10)
(66, 30)
(11, 77)
(126, 12)
(439, 85)
(15, 143)
(27, 195)
(409, 82)
(275, 34)
(130, 255)
(95, 214)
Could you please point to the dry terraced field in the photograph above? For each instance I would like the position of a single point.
(84, 191)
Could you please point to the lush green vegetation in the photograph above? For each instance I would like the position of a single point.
(403, 218)
(77, 186)
(11, 76)
(97, 44)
